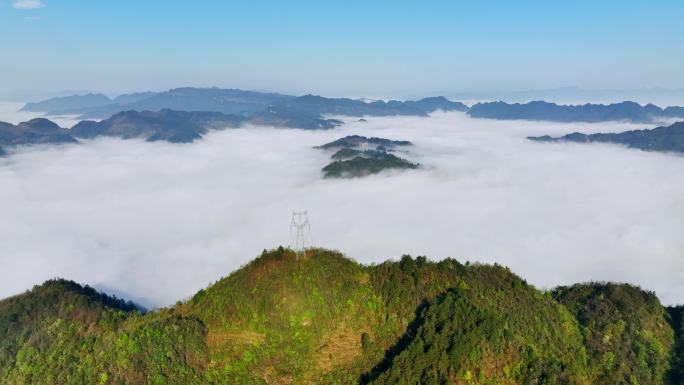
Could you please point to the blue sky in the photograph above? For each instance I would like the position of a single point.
(353, 48)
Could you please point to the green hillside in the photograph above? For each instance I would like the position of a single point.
(676, 375)
(626, 332)
(492, 328)
(63, 333)
(321, 318)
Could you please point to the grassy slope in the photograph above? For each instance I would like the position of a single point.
(322, 318)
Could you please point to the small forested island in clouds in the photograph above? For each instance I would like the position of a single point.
(320, 318)
(357, 156)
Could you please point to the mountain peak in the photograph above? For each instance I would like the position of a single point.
(39, 124)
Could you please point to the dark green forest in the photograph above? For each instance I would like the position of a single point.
(321, 318)
(363, 166)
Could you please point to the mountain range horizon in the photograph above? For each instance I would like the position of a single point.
(564, 94)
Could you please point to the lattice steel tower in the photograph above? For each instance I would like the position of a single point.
(300, 227)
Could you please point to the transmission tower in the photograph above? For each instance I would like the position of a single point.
(300, 227)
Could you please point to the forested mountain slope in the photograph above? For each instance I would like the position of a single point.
(321, 318)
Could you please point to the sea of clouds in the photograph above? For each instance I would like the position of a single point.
(155, 222)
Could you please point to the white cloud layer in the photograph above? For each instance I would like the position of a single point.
(27, 4)
(158, 221)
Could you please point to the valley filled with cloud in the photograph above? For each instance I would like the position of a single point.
(155, 222)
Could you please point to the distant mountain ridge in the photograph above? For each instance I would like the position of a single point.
(235, 101)
(185, 114)
(34, 131)
(98, 106)
(572, 94)
(318, 105)
(68, 104)
(664, 139)
(589, 113)
(280, 107)
(169, 125)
